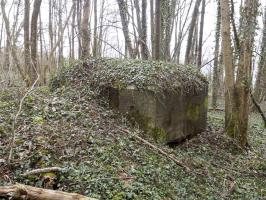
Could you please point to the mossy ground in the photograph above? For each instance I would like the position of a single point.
(73, 128)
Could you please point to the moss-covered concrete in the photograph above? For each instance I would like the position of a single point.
(168, 117)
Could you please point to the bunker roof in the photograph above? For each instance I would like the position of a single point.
(146, 75)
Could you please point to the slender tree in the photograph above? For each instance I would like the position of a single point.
(157, 30)
(144, 47)
(95, 34)
(33, 40)
(199, 56)
(85, 29)
(216, 67)
(124, 20)
(191, 30)
(152, 26)
(8, 38)
(73, 29)
(11, 48)
(27, 62)
(260, 85)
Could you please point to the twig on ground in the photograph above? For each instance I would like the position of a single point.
(169, 156)
(43, 170)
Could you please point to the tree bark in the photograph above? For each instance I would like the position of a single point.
(244, 78)
(237, 93)
(95, 46)
(85, 29)
(199, 60)
(73, 29)
(124, 20)
(216, 67)
(191, 30)
(144, 47)
(152, 27)
(260, 85)
(60, 27)
(8, 38)
(79, 28)
(33, 38)
(100, 38)
(228, 63)
(157, 30)
(168, 20)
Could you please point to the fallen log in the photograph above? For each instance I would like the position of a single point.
(20, 191)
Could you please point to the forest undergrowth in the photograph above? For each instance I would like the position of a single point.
(72, 128)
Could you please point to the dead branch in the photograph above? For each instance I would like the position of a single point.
(20, 191)
(216, 109)
(12, 143)
(162, 152)
(43, 170)
(258, 108)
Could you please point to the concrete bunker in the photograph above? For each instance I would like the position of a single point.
(167, 101)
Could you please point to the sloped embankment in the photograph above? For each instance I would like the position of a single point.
(73, 128)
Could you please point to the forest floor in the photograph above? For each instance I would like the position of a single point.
(72, 128)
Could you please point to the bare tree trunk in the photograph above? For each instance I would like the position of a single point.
(34, 24)
(7, 54)
(158, 30)
(50, 24)
(73, 30)
(1, 35)
(137, 7)
(237, 94)
(95, 42)
(100, 39)
(152, 27)
(191, 30)
(181, 33)
(124, 20)
(228, 63)
(144, 47)
(215, 79)
(60, 47)
(85, 29)
(168, 24)
(11, 49)
(136, 29)
(40, 39)
(194, 45)
(79, 28)
(244, 78)
(199, 60)
(27, 34)
(260, 85)
(8, 39)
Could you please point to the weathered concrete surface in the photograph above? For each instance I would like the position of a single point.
(167, 117)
